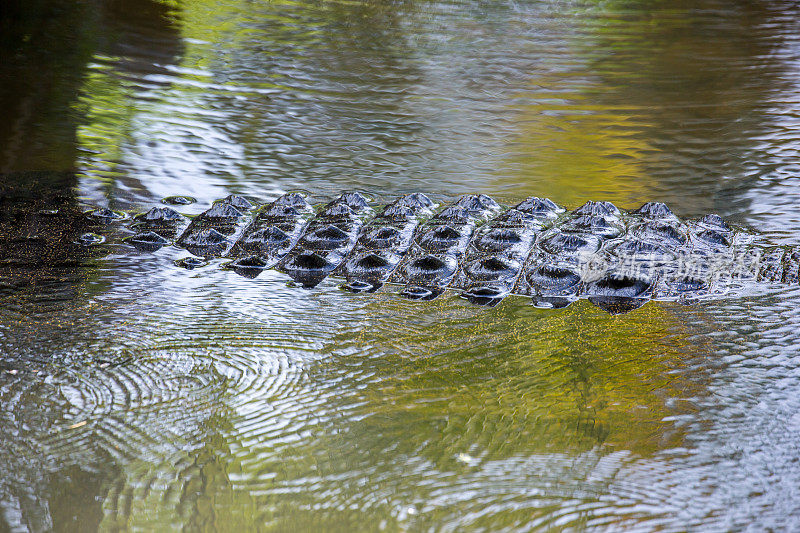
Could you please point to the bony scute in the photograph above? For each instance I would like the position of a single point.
(615, 258)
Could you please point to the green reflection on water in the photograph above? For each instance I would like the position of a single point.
(659, 115)
(437, 410)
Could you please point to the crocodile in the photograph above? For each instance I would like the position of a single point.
(616, 259)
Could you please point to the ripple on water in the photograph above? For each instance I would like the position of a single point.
(189, 399)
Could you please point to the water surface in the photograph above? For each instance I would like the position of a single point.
(138, 395)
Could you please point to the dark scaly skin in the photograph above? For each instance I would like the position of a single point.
(383, 242)
(209, 234)
(439, 245)
(498, 250)
(326, 241)
(156, 228)
(618, 260)
(273, 233)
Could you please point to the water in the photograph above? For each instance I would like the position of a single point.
(138, 395)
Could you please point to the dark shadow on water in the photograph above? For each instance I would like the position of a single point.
(45, 48)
